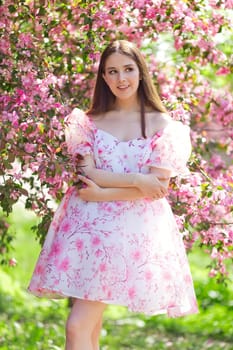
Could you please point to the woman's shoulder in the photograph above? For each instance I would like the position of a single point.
(78, 118)
(75, 113)
(103, 119)
(157, 121)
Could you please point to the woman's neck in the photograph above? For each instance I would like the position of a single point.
(129, 105)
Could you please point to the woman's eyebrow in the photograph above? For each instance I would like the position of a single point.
(126, 65)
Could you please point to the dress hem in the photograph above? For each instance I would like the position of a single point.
(171, 312)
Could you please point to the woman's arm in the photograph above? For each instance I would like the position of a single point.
(162, 175)
(94, 193)
(105, 178)
(148, 184)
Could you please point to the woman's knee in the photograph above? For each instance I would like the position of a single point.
(76, 326)
(83, 318)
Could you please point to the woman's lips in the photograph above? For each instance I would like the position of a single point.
(122, 87)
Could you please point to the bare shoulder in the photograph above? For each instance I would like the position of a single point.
(99, 120)
(157, 121)
(106, 119)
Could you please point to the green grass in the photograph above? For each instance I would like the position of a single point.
(29, 323)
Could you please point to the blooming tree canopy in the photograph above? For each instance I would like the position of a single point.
(49, 57)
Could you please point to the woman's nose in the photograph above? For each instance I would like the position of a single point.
(121, 76)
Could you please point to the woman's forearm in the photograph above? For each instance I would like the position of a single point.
(108, 179)
(94, 193)
(105, 178)
(118, 194)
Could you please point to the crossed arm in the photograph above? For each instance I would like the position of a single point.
(102, 185)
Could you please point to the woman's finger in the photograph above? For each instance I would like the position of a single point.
(85, 180)
(163, 191)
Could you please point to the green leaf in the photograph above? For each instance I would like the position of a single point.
(88, 20)
(112, 11)
(42, 11)
(12, 8)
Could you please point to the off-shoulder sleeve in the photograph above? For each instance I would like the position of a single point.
(79, 133)
(172, 149)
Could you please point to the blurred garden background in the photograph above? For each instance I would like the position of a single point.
(49, 52)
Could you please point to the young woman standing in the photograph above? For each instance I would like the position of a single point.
(115, 240)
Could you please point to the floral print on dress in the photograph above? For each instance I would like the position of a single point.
(120, 252)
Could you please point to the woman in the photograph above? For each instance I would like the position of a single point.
(115, 240)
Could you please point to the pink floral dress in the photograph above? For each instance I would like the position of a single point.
(120, 252)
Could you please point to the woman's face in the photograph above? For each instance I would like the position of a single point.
(122, 76)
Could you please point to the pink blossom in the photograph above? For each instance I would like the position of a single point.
(189, 24)
(64, 265)
(14, 195)
(28, 80)
(178, 42)
(136, 255)
(213, 273)
(214, 253)
(167, 275)
(56, 249)
(65, 226)
(230, 234)
(102, 267)
(25, 40)
(217, 161)
(98, 253)
(29, 147)
(13, 262)
(148, 275)
(132, 293)
(86, 224)
(39, 269)
(223, 270)
(95, 241)
(188, 278)
(5, 46)
(229, 4)
(79, 244)
(223, 71)
(24, 126)
(139, 3)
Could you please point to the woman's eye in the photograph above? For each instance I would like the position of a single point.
(112, 71)
(129, 69)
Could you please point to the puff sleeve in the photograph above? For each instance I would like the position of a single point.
(79, 134)
(172, 149)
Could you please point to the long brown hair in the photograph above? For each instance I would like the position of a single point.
(103, 99)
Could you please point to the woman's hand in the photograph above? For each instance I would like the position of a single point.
(86, 165)
(90, 192)
(150, 186)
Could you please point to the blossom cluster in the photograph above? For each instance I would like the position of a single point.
(49, 57)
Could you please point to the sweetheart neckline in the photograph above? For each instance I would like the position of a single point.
(157, 133)
(122, 141)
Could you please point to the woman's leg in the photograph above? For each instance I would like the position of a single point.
(96, 334)
(82, 321)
